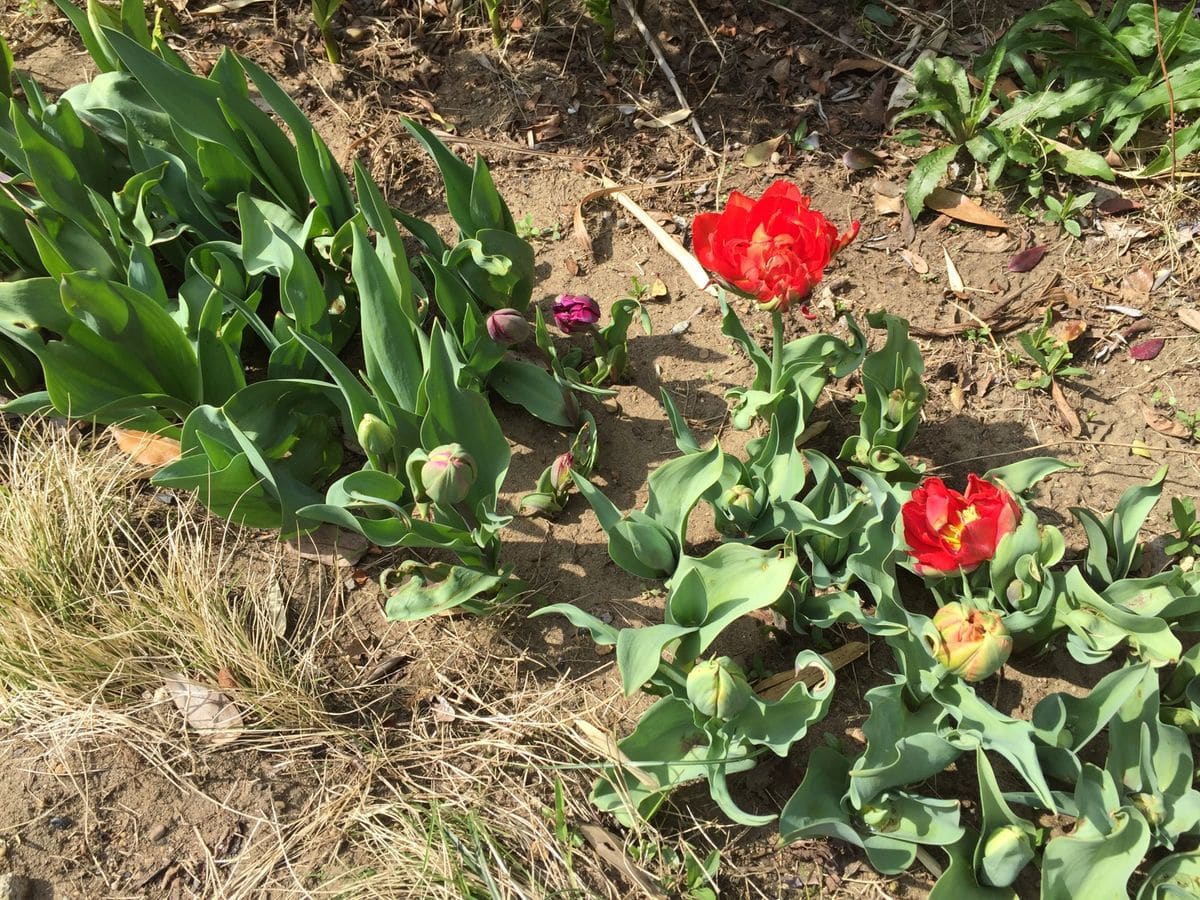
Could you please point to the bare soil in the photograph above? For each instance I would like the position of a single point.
(551, 114)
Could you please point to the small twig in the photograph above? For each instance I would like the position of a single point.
(841, 40)
(662, 64)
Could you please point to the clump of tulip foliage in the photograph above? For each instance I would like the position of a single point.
(182, 255)
(956, 584)
(175, 261)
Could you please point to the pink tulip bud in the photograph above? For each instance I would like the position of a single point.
(575, 312)
(507, 326)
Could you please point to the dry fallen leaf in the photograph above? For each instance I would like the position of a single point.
(952, 277)
(144, 447)
(1137, 284)
(915, 260)
(758, 154)
(204, 709)
(1163, 425)
(964, 209)
(1069, 416)
(610, 849)
(1114, 206)
(1068, 330)
(329, 545)
(958, 399)
(1190, 317)
(856, 159)
(888, 206)
(1140, 448)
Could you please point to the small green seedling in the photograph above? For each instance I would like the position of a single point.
(1065, 212)
(1050, 354)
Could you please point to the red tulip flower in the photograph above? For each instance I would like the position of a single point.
(951, 532)
(774, 249)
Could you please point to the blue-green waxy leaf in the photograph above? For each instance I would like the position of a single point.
(465, 417)
(903, 746)
(1174, 877)
(958, 882)
(1095, 864)
(392, 351)
(639, 652)
(778, 724)
(1020, 476)
(678, 484)
(737, 579)
(602, 633)
(815, 809)
(1007, 841)
(536, 390)
(435, 589)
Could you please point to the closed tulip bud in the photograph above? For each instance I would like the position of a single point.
(880, 817)
(740, 507)
(560, 471)
(448, 474)
(718, 688)
(1006, 852)
(374, 436)
(507, 326)
(970, 643)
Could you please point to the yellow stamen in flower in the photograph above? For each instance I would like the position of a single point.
(952, 534)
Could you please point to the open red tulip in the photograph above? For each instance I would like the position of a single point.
(774, 249)
(951, 532)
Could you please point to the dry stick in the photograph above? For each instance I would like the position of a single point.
(662, 64)
(829, 34)
(690, 264)
(1065, 441)
(1162, 61)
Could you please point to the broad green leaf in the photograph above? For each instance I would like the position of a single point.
(536, 390)
(678, 484)
(926, 175)
(1092, 864)
(602, 633)
(639, 652)
(1020, 476)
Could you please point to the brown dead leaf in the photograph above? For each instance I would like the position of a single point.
(1069, 416)
(888, 206)
(609, 848)
(908, 228)
(1136, 285)
(329, 545)
(857, 64)
(758, 154)
(225, 679)
(914, 259)
(1164, 425)
(1190, 317)
(961, 207)
(1068, 330)
(204, 709)
(144, 447)
(953, 279)
(958, 399)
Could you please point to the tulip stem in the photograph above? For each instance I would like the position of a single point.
(776, 349)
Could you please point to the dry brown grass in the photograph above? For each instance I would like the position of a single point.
(478, 790)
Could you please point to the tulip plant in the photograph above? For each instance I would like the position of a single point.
(957, 585)
(175, 261)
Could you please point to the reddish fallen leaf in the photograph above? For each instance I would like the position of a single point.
(964, 209)
(1163, 425)
(1027, 259)
(1066, 412)
(1190, 317)
(1147, 350)
(1115, 206)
